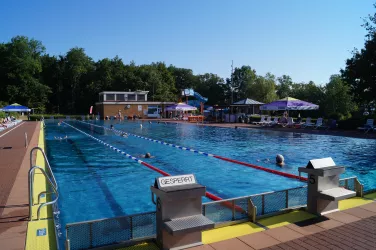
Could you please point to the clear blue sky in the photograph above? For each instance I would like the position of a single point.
(308, 40)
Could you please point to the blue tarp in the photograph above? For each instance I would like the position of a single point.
(15, 108)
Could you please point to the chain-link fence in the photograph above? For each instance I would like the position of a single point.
(97, 233)
(104, 232)
(266, 203)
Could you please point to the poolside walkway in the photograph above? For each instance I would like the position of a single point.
(14, 166)
(335, 132)
(353, 228)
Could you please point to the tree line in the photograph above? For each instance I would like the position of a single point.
(70, 83)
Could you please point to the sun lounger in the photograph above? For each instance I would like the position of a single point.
(368, 126)
(262, 119)
(319, 124)
(289, 124)
(267, 121)
(274, 122)
(308, 123)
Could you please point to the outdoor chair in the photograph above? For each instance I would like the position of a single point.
(267, 121)
(308, 123)
(319, 124)
(289, 124)
(368, 126)
(262, 119)
(274, 122)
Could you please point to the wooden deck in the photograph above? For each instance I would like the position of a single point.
(354, 228)
(14, 166)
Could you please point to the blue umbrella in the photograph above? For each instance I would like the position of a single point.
(15, 107)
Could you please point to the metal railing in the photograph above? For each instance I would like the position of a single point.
(353, 184)
(50, 178)
(31, 192)
(104, 232)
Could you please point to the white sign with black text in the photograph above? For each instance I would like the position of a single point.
(178, 180)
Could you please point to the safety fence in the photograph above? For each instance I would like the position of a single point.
(97, 233)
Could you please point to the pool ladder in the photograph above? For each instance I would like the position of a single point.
(50, 178)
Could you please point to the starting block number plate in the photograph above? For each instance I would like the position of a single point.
(41, 232)
(178, 180)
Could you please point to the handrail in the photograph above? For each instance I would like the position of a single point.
(46, 160)
(31, 193)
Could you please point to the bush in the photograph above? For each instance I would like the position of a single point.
(2, 114)
(38, 117)
(352, 123)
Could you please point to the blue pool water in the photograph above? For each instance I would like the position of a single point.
(96, 182)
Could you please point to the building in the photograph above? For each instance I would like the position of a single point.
(129, 103)
(246, 106)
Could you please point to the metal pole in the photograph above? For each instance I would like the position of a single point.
(232, 88)
(26, 141)
(233, 210)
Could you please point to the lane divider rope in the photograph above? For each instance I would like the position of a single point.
(276, 172)
(207, 194)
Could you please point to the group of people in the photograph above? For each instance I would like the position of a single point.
(7, 121)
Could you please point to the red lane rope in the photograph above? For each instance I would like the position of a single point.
(288, 175)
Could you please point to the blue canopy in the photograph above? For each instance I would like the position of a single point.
(15, 107)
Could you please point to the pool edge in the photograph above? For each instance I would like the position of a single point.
(41, 234)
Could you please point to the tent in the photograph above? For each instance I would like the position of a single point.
(289, 103)
(247, 106)
(180, 107)
(15, 107)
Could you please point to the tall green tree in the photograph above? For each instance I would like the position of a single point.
(338, 100)
(360, 70)
(20, 66)
(284, 86)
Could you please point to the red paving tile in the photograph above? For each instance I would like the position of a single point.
(283, 234)
(359, 212)
(231, 245)
(14, 166)
(342, 217)
(338, 238)
(259, 240)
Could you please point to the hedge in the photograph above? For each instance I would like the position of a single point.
(55, 116)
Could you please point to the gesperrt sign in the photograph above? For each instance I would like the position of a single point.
(170, 181)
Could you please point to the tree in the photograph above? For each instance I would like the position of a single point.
(263, 90)
(212, 87)
(284, 86)
(20, 66)
(338, 100)
(360, 71)
(242, 80)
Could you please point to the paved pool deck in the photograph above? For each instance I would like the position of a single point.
(353, 228)
(334, 132)
(14, 166)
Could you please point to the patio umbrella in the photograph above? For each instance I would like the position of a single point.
(289, 103)
(180, 107)
(15, 107)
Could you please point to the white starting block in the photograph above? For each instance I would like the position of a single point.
(323, 186)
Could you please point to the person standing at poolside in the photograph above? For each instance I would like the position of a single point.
(119, 114)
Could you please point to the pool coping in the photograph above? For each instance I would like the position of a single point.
(41, 233)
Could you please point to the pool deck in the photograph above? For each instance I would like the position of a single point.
(335, 132)
(14, 166)
(353, 228)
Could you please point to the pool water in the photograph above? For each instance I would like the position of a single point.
(97, 182)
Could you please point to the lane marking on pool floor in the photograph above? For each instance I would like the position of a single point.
(207, 194)
(276, 172)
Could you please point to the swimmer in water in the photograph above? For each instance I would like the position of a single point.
(280, 160)
(236, 127)
(124, 135)
(112, 126)
(147, 155)
(140, 125)
(60, 138)
(149, 122)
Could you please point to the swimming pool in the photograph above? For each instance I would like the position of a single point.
(97, 182)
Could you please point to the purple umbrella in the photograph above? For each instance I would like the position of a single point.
(289, 103)
(181, 107)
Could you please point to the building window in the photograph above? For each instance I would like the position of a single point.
(131, 97)
(110, 97)
(141, 97)
(120, 97)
